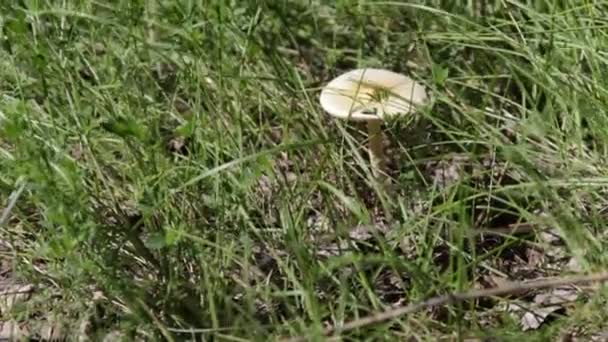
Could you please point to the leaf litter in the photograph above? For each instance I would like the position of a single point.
(541, 252)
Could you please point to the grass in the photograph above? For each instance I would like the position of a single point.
(180, 178)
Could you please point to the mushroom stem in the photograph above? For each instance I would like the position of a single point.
(376, 150)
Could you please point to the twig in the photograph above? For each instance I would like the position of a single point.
(458, 297)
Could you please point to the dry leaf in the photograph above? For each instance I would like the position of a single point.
(556, 296)
(276, 134)
(390, 287)
(84, 330)
(601, 336)
(98, 295)
(550, 237)
(318, 223)
(361, 233)
(407, 245)
(177, 145)
(12, 331)
(114, 336)
(545, 304)
(333, 249)
(534, 318)
(265, 186)
(11, 294)
(291, 177)
(181, 105)
(5, 265)
(77, 151)
(574, 265)
(52, 331)
(446, 172)
(99, 49)
(535, 257)
(284, 164)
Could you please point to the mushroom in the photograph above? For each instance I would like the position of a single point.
(371, 95)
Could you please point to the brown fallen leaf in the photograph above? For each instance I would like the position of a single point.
(364, 232)
(551, 237)
(390, 287)
(88, 74)
(177, 145)
(99, 49)
(557, 296)
(446, 172)
(77, 151)
(5, 265)
(181, 105)
(333, 249)
(574, 265)
(535, 317)
(443, 300)
(11, 294)
(546, 304)
(165, 74)
(601, 336)
(361, 233)
(284, 163)
(114, 336)
(535, 257)
(84, 330)
(52, 330)
(12, 331)
(319, 224)
(276, 134)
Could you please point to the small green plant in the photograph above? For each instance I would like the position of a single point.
(180, 180)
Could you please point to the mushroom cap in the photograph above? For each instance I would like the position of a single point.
(371, 94)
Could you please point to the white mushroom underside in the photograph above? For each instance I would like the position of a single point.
(350, 96)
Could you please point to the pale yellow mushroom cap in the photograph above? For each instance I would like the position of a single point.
(371, 94)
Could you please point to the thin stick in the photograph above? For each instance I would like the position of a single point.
(459, 297)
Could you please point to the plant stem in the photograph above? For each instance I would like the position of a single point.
(376, 149)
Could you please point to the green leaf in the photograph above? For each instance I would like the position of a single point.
(125, 128)
(18, 25)
(172, 237)
(440, 75)
(156, 241)
(11, 129)
(186, 130)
